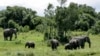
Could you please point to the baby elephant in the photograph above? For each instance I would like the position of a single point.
(68, 46)
(54, 44)
(30, 44)
(73, 44)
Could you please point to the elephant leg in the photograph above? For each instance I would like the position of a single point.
(55, 47)
(28, 46)
(11, 38)
(52, 47)
(33, 46)
(82, 46)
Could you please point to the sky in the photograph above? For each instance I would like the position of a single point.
(40, 5)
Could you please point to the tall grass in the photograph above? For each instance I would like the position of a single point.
(17, 47)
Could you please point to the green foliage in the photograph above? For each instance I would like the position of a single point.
(20, 28)
(26, 28)
(22, 16)
(49, 12)
(96, 28)
(57, 21)
(85, 22)
(62, 2)
(12, 24)
(40, 28)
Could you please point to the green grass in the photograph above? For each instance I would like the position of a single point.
(17, 47)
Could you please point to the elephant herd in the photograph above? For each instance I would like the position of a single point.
(74, 43)
(78, 42)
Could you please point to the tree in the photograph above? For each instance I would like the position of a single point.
(60, 16)
(49, 14)
(86, 18)
(62, 2)
(96, 28)
(20, 15)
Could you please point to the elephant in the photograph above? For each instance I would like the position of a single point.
(30, 44)
(73, 44)
(68, 46)
(9, 33)
(81, 41)
(54, 44)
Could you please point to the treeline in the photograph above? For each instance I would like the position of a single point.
(19, 17)
(57, 21)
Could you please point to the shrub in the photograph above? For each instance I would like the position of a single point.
(40, 28)
(26, 28)
(96, 28)
(11, 24)
(20, 29)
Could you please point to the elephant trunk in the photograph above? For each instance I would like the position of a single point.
(88, 40)
(15, 35)
(15, 32)
(89, 44)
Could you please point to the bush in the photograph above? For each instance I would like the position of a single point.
(96, 28)
(26, 28)
(40, 28)
(12, 24)
(23, 29)
(20, 29)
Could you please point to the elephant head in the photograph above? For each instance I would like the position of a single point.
(15, 32)
(87, 39)
(9, 33)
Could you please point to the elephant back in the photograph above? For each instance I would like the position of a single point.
(55, 42)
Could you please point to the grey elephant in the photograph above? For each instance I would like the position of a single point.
(30, 44)
(54, 43)
(81, 41)
(68, 46)
(73, 44)
(9, 33)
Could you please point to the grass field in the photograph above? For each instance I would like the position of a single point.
(17, 47)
